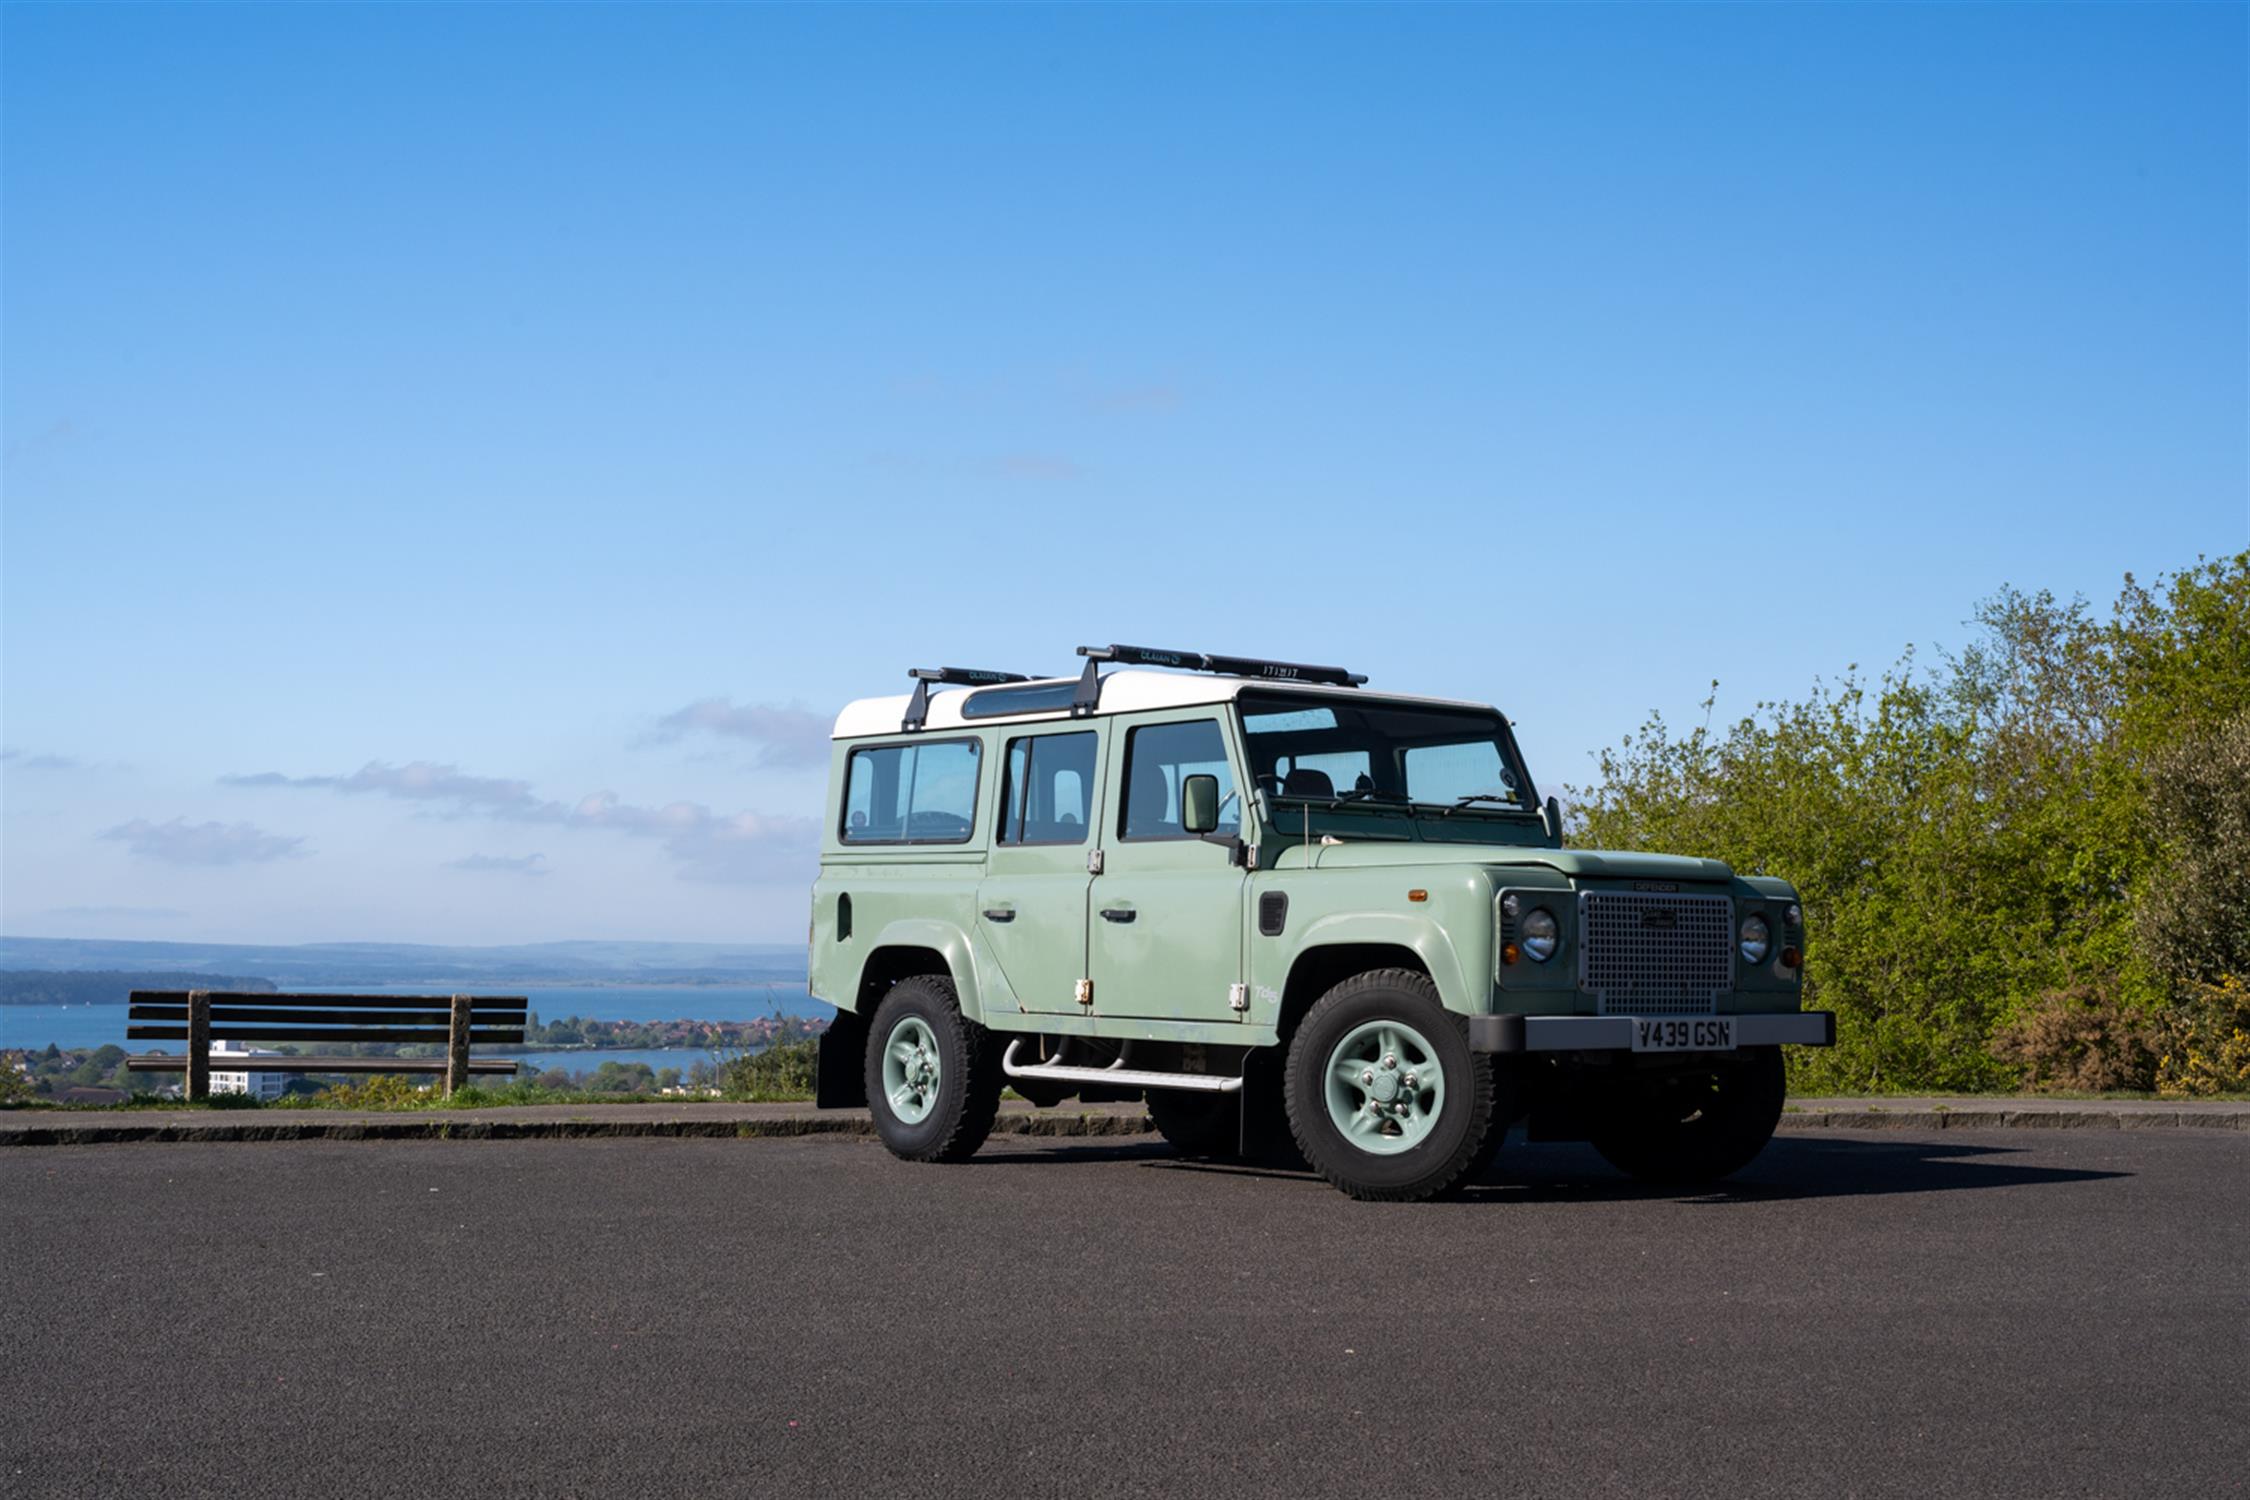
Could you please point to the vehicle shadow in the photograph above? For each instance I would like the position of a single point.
(1791, 1167)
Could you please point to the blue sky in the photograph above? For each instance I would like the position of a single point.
(457, 459)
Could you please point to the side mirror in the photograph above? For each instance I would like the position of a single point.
(1550, 817)
(1199, 804)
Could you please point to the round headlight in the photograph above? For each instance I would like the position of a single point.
(1540, 935)
(1757, 939)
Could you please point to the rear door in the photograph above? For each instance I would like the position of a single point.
(1031, 905)
(1166, 936)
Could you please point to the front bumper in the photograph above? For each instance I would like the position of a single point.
(1800, 1028)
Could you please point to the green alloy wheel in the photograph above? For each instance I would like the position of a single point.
(933, 1075)
(1385, 1098)
(912, 1073)
(1386, 1087)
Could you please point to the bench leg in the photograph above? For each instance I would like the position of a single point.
(198, 1084)
(457, 1047)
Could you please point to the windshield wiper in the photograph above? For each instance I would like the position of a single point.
(1484, 797)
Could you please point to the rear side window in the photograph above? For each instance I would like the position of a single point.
(1159, 758)
(1047, 795)
(923, 793)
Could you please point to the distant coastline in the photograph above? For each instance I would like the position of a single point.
(29, 964)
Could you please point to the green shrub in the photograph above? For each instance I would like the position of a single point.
(378, 1091)
(2207, 1043)
(782, 1071)
(16, 1086)
(2059, 805)
(2083, 1040)
(2194, 913)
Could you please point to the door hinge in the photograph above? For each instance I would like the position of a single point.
(1085, 992)
(1238, 997)
(1093, 861)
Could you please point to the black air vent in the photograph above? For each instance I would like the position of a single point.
(1273, 913)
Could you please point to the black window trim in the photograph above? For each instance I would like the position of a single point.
(1511, 754)
(844, 798)
(1000, 840)
(1125, 784)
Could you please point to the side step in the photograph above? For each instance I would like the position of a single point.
(1116, 1077)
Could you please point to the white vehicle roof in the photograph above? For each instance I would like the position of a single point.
(1127, 690)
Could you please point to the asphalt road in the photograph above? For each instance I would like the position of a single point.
(2040, 1314)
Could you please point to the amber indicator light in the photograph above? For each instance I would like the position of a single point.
(1417, 895)
(1507, 953)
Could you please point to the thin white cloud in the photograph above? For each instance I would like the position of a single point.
(503, 864)
(136, 913)
(736, 848)
(180, 842)
(26, 761)
(1158, 396)
(1042, 466)
(791, 736)
(421, 781)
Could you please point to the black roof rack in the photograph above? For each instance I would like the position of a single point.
(918, 707)
(1089, 682)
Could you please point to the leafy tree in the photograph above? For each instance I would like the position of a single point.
(2194, 910)
(2038, 817)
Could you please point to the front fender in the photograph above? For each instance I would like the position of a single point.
(1425, 937)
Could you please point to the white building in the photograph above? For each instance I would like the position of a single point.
(261, 1085)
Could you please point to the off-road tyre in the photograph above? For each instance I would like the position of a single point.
(1455, 1135)
(1693, 1126)
(1197, 1123)
(958, 1111)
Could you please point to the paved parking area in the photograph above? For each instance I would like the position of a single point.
(2011, 1313)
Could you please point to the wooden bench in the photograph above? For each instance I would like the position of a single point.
(201, 1017)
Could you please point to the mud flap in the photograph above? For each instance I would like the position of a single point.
(840, 1074)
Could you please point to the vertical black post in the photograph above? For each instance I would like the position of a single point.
(198, 1044)
(457, 1047)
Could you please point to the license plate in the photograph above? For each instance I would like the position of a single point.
(1688, 1034)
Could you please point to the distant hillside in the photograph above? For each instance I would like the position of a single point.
(608, 963)
(111, 986)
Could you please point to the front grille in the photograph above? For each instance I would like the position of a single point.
(1641, 954)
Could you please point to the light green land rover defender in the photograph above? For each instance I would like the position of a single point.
(1293, 915)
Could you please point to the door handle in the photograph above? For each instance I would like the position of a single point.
(1117, 914)
(1000, 914)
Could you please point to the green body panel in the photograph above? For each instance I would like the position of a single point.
(1422, 892)
(1031, 914)
(1177, 951)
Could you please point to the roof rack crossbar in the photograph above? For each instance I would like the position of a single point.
(1203, 661)
(918, 707)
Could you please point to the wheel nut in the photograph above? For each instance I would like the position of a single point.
(1410, 1080)
(1368, 1076)
(1390, 1059)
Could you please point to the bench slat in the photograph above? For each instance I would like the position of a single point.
(179, 1013)
(356, 1002)
(165, 1062)
(259, 1031)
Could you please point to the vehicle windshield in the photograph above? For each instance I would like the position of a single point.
(1406, 756)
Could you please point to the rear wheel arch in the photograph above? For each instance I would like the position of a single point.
(900, 956)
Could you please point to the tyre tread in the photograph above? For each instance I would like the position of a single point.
(1476, 1143)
